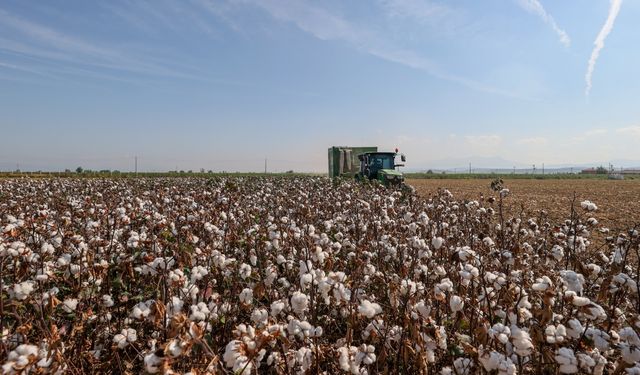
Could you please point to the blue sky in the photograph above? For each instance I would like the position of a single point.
(222, 84)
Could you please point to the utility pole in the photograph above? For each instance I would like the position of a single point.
(136, 165)
(543, 168)
(265, 165)
(469, 168)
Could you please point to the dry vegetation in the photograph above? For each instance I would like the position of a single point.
(306, 276)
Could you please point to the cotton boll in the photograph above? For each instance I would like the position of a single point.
(555, 334)
(22, 290)
(543, 283)
(259, 316)
(500, 333)
(456, 303)
(588, 205)
(107, 301)
(69, 305)
(573, 281)
(299, 302)
(246, 296)
(125, 337)
(521, 341)
(369, 309)
(567, 361)
(277, 307)
(437, 242)
(463, 366)
(245, 271)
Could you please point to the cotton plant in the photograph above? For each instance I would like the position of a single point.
(251, 275)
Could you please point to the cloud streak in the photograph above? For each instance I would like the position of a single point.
(325, 25)
(49, 45)
(535, 7)
(614, 9)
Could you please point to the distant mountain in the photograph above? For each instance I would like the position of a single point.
(481, 164)
(462, 164)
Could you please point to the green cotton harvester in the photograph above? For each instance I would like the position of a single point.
(365, 163)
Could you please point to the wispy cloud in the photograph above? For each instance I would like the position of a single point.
(632, 131)
(484, 140)
(533, 141)
(594, 132)
(422, 10)
(614, 9)
(535, 7)
(45, 44)
(325, 25)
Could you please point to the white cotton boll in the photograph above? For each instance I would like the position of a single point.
(500, 332)
(594, 311)
(456, 303)
(567, 361)
(588, 205)
(488, 242)
(600, 338)
(246, 296)
(573, 281)
(521, 341)
(576, 300)
(574, 329)
(585, 361)
(557, 252)
(199, 312)
(299, 302)
(174, 307)
(369, 309)
(141, 310)
(107, 301)
(69, 305)
(445, 285)
(507, 367)
(543, 283)
(197, 273)
(555, 334)
(463, 366)
(629, 335)
(245, 271)
(277, 307)
(175, 348)
(343, 358)
(407, 217)
(125, 337)
(259, 316)
(490, 360)
(22, 290)
(437, 242)
(19, 358)
(366, 355)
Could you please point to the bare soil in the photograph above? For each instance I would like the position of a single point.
(618, 201)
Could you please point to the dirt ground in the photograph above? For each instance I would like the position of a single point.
(618, 201)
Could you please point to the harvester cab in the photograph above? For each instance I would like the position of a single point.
(366, 163)
(381, 166)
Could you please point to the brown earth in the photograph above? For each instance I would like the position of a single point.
(618, 201)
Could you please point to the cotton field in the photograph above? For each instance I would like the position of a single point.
(305, 275)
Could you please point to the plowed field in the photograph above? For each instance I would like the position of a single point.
(618, 201)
